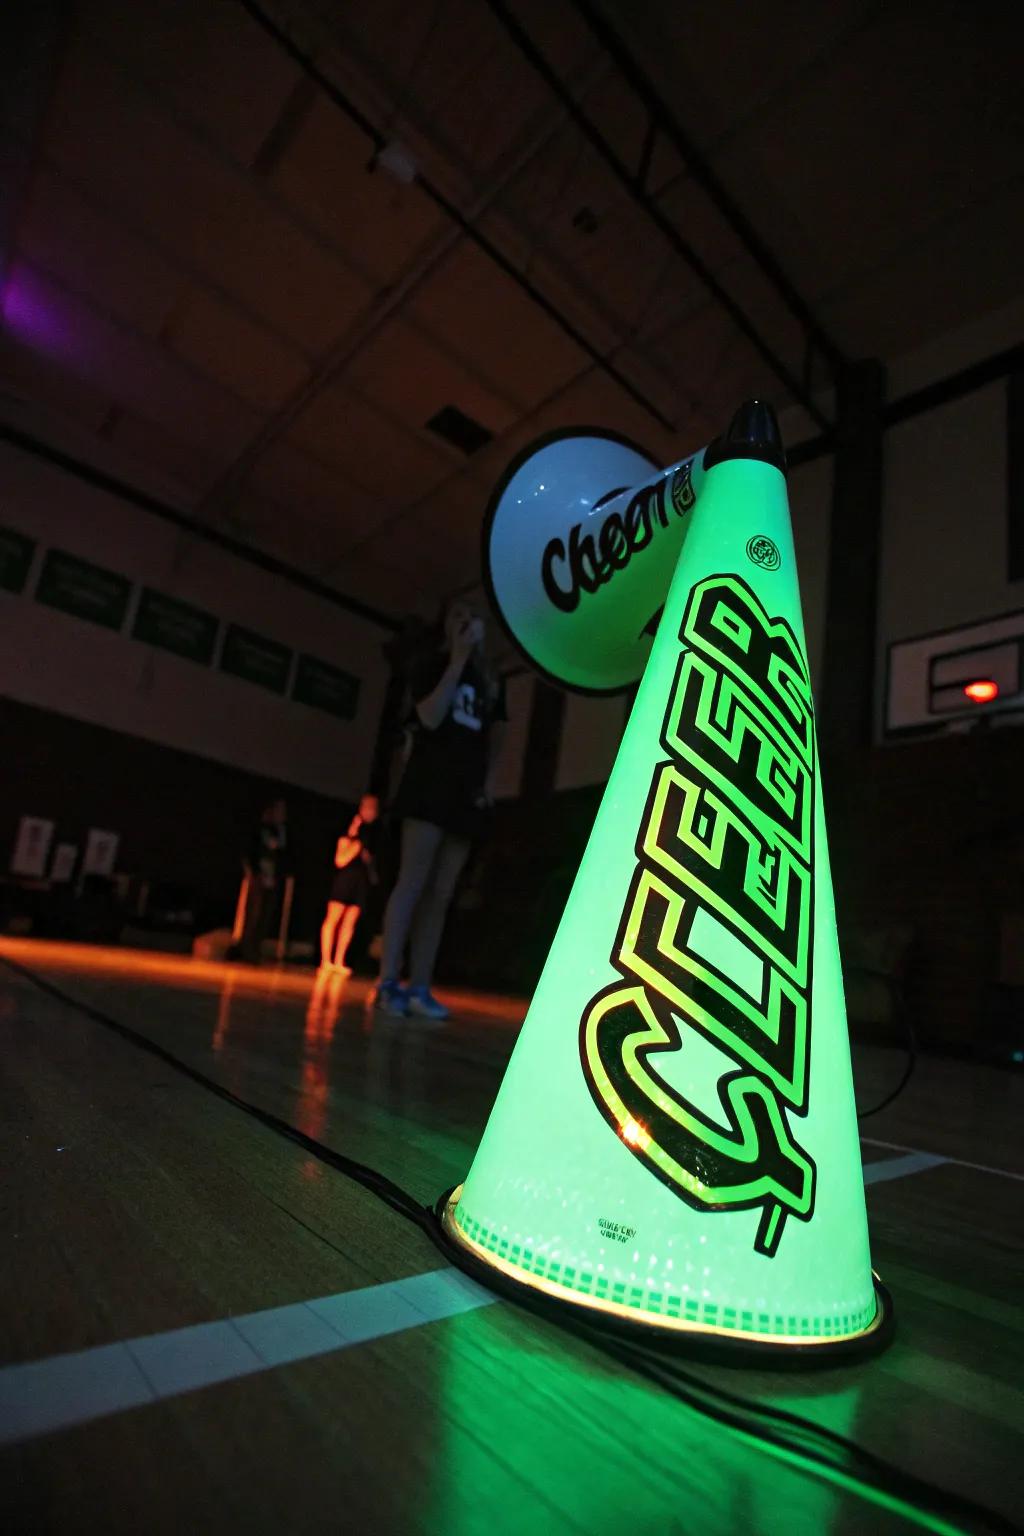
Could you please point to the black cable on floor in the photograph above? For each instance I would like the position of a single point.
(908, 1072)
(392, 1194)
(903, 1490)
(786, 1434)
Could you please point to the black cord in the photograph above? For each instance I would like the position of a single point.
(377, 1183)
(749, 1416)
(908, 1072)
(807, 1441)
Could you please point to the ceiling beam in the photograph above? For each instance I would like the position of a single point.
(82, 470)
(663, 121)
(385, 304)
(465, 222)
(629, 180)
(386, 99)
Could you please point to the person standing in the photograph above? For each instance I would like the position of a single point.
(264, 867)
(442, 801)
(355, 871)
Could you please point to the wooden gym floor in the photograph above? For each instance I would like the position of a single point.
(163, 1371)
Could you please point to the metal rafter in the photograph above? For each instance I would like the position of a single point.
(465, 223)
(634, 183)
(384, 86)
(663, 121)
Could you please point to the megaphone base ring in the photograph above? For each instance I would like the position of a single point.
(722, 1345)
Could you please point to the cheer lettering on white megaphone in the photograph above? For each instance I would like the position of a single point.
(674, 1146)
(581, 538)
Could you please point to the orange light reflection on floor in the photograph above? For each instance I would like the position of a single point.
(155, 967)
(325, 1003)
(151, 965)
(223, 1024)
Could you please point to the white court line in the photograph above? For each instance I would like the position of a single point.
(895, 1146)
(41, 1396)
(899, 1167)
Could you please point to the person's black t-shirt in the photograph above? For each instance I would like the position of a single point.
(444, 776)
(266, 851)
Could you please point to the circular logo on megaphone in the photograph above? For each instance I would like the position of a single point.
(763, 552)
(683, 494)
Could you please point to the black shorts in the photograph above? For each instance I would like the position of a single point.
(351, 885)
(449, 809)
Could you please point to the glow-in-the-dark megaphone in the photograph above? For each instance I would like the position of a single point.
(674, 1146)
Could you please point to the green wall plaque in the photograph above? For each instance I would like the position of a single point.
(175, 626)
(85, 590)
(253, 657)
(323, 686)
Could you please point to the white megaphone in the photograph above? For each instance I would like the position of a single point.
(580, 541)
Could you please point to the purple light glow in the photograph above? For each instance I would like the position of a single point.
(37, 315)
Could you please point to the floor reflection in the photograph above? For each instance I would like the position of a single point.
(406, 1096)
(223, 1024)
(325, 1003)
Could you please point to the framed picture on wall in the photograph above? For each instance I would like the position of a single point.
(63, 867)
(32, 847)
(100, 852)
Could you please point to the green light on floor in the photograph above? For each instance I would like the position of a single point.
(675, 1139)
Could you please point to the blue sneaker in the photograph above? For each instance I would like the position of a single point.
(423, 1002)
(391, 997)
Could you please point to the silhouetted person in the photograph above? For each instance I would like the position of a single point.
(355, 867)
(264, 864)
(442, 801)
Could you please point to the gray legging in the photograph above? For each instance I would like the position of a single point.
(432, 861)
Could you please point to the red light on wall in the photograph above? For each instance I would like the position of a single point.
(983, 691)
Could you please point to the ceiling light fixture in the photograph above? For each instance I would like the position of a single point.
(397, 161)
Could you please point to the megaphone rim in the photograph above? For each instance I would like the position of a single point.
(716, 1345)
(559, 434)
